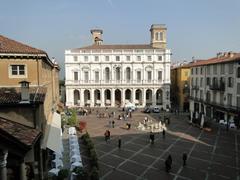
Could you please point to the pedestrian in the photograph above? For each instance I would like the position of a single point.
(168, 163)
(184, 158)
(106, 135)
(163, 133)
(119, 142)
(113, 122)
(130, 114)
(151, 136)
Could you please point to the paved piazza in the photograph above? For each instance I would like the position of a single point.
(211, 155)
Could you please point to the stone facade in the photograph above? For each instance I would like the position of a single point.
(113, 75)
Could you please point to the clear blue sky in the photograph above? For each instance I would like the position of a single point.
(198, 28)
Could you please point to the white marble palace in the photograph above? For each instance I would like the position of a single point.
(113, 75)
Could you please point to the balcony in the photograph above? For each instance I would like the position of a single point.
(217, 87)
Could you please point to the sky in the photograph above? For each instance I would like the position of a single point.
(196, 28)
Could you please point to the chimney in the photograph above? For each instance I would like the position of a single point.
(97, 36)
(25, 97)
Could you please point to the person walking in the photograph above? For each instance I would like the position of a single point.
(168, 163)
(106, 135)
(184, 158)
(151, 136)
(163, 133)
(113, 122)
(119, 142)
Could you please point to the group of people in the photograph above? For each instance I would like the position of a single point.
(168, 161)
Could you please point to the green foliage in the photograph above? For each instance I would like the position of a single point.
(62, 174)
(73, 119)
(81, 173)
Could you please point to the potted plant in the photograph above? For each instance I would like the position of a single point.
(80, 173)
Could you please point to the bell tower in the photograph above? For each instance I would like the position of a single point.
(97, 36)
(158, 36)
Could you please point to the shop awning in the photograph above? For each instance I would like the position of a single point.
(52, 138)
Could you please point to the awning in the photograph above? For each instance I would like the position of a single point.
(52, 138)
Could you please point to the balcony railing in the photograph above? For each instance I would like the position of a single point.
(217, 87)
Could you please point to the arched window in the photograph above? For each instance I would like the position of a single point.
(118, 74)
(107, 74)
(128, 75)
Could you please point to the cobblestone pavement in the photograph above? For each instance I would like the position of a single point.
(211, 155)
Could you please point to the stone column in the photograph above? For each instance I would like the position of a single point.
(112, 97)
(23, 171)
(154, 97)
(3, 164)
(123, 98)
(92, 98)
(82, 97)
(102, 98)
(144, 97)
(133, 96)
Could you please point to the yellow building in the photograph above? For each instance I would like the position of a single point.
(180, 87)
(29, 95)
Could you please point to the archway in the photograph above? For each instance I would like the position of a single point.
(97, 98)
(76, 97)
(138, 95)
(118, 97)
(107, 95)
(159, 97)
(87, 97)
(149, 97)
(128, 95)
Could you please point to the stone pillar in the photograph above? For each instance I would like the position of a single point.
(112, 97)
(133, 96)
(23, 171)
(82, 97)
(123, 98)
(102, 98)
(144, 97)
(3, 164)
(92, 98)
(154, 97)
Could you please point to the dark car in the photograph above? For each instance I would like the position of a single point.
(147, 110)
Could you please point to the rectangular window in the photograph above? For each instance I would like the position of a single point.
(196, 70)
(96, 58)
(96, 76)
(128, 58)
(208, 81)
(139, 58)
(18, 70)
(75, 76)
(149, 77)
(85, 58)
(159, 58)
(117, 58)
(201, 82)
(86, 76)
(215, 69)
(161, 36)
(238, 101)
(106, 58)
(138, 76)
(149, 58)
(238, 88)
(208, 70)
(222, 98)
(159, 75)
(201, 94)
(230, 68)
(230, 82)
(75, 58)
(201, 71)
(222, 68)
(229, 99)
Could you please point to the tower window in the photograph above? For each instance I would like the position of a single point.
(159, 36)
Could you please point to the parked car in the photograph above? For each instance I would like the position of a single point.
(156, 110)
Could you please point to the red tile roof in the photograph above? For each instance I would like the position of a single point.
(11, 46)
(10, 96)
(227, 57)
(117, 46)
(23, 134)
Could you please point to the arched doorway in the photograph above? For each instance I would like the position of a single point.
(107, 95)
(138, 95)
(87, 97)
(118, 97)
(149, 97)
(76, 96)
(128, 95)
(159, 97)
(97, 100)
